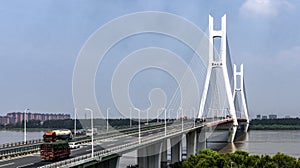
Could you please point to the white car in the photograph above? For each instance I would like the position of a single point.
(74, 145)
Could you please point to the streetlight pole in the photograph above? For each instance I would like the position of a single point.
(139, 111)
(107, 119)
(194, 117)
(75, 111)
(181, 118)
(139, 126)
(157, 115)
(25, 133)
(165, 121)
(130, 118)
(92, 125)
(148, 115)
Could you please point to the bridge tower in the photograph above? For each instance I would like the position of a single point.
(219, 63)
(241, 90)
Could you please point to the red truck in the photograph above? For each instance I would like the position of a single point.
(56, 145)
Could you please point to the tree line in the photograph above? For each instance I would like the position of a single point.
(275, 124)
(239, 159)
(279, 121)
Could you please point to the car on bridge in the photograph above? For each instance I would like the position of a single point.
(74, 145)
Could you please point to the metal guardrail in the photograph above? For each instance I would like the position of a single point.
(10, 150)
(22, 143)
(14, 152)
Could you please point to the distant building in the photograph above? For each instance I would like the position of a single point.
(4, 120)
(264, 117)
(272, 116)
(287, 116)
(15, 117)
(258, 116)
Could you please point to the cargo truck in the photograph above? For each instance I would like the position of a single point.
(56, 145)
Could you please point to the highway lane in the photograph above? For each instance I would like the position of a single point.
(35, 160)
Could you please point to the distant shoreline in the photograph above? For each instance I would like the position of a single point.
(275, 124)
(27, 129)
(274, 127)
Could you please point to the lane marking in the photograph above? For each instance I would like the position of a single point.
(108, 140)
(7, 164)
(128, 140)
(108, 145)
(25, 165)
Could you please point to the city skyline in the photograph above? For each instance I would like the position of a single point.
(17, 117)
(41, 40)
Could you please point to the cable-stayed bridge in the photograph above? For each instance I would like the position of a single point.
(223, 105)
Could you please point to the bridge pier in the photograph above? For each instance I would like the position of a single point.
(176, 149)
(246, 127)
(164, 154)
(232, 132)
(190, 143)
(109, 162)
(150, 156)
(200, 139)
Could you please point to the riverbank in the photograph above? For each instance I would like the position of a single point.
(274, 127)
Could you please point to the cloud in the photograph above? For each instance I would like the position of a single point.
(264, 8)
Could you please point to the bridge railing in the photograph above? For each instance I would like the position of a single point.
(88, 157)
(14, 152)
(15, 149)
(22, 143)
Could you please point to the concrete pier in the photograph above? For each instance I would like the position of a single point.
(190, 143)
(200, 139)
(150, 156)
(176, 149)
(164, 154)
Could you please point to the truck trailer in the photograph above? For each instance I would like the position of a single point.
(56, 145)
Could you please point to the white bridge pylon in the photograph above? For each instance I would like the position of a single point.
(221, 63)
(241, 90)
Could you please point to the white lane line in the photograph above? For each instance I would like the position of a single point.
(127, 140)
(110, 145)
(7, 164)
(108, 140)
(126, 137)
(26, 165)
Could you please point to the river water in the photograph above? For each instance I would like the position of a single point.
(18, 136)
(268, 142)
(254, 142)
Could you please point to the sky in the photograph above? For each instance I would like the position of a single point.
(40, 42)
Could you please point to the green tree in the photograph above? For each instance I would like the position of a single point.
(283, 160)
(252, 161)
(239, 159)
(34, 124)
